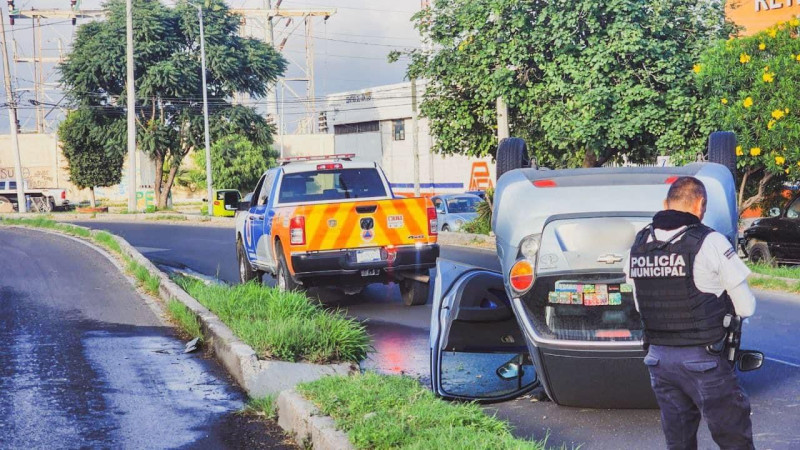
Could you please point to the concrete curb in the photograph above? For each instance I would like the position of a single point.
(467, 240)
(307, 424)
(259, 378)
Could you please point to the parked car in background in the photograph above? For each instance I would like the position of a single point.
(775, 238)
(38, 200)
(226, 202)
(454, 210)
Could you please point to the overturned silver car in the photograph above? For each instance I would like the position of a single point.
(560, 314)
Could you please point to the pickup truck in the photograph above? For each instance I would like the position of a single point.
(334, 222)
(40, 200)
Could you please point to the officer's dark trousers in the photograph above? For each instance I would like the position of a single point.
(688, 381)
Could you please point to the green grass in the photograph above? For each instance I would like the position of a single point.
(148, 281)
(477, 226)
(775, 271)
(264, 406)
(282, 325)
(382, 411)
(185, 318)
(774, 284)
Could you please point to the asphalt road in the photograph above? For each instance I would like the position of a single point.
(85, 362)
(401, 346)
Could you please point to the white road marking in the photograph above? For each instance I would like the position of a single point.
(151, 249)
(784, 362)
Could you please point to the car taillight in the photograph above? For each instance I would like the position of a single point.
(63, 195)
(544, 183)
(671, 180)
(329, 166)
(521, 276)
(297, 231)
(433, 223)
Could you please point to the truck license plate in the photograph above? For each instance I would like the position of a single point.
(368, 255)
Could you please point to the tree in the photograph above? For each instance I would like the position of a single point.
(586, 81)
(236, 163)
(167, 78)
(91, 143)
(750, 86)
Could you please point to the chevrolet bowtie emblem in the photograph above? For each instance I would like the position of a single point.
(609, 258)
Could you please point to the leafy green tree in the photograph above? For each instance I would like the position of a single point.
(91, 143)
(167, 78)
(586, 81)
(750, 85)
(236, 163)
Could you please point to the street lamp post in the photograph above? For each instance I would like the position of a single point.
(205, 110)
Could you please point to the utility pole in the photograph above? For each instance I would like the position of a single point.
(209, 187)
(502, 119)
(12, 121)
(131, 94)
(415, 135)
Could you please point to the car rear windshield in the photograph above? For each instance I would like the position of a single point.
(462, 204)
(339, 184)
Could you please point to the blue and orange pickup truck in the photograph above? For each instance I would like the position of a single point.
(334, 222)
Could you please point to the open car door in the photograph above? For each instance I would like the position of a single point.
(478, 351)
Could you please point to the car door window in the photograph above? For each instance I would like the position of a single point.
(264, 195)
(257, 190)
(793, 211)
(439, 205)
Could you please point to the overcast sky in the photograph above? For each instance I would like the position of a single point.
(350, 48)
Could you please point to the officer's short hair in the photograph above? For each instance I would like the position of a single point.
(686, 190)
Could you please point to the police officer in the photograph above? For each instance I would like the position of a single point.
(687, 278)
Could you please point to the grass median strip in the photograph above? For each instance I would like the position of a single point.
(185, 318)
(775, 284)
(776, 271)
(282, 325)
(383, 411)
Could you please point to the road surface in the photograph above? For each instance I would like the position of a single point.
(401, 346)
(84, 362)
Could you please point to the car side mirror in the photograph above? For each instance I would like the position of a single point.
(244, 205)
(774, 212)
(750, 360)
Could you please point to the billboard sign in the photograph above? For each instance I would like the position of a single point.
(758, 15)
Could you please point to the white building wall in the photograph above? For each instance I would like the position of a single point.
(438, 173)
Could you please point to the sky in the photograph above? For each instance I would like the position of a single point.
(350, 49)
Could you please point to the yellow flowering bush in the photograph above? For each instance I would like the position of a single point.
(760, 75)
(724, 101)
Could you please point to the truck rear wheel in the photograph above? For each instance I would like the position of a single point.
(722, 150)
(759, 253)
(414, 292)
(284, 277)
(512, 153)
(246, 271)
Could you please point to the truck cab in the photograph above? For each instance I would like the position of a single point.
(334, 222)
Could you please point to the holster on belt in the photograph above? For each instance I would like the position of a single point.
(729, 344)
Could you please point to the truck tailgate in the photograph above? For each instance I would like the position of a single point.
(370, 223)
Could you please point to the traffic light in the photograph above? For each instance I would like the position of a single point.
(11, 12)
(322, 122)
(72, 5)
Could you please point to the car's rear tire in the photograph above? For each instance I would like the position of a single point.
(246, 271)
(414, 292)
(758, 252)
(722, 150)
(282, 275)
(512, 153)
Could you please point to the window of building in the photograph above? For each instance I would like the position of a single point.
(399, 129)
(360, 127)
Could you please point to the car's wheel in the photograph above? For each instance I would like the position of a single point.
(512, 153)
(284, 278)
(722, 150)
(414, 292)
(445, 227)
(759, 252)
(246, 271)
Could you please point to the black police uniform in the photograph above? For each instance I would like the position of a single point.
(680, 321)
